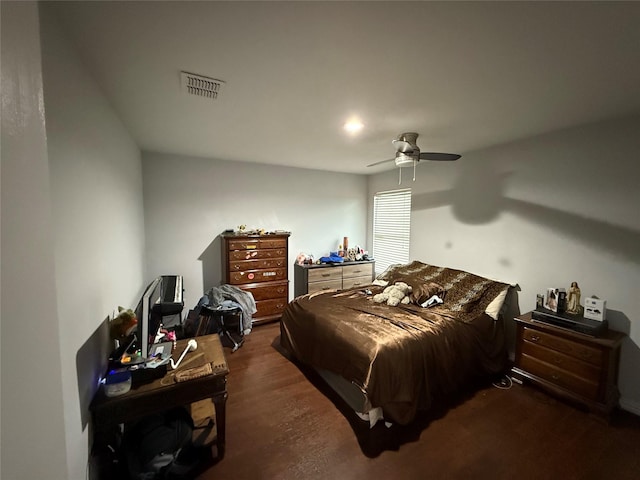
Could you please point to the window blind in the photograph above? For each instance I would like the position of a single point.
(391, 228)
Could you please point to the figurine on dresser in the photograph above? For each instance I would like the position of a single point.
(573, 299)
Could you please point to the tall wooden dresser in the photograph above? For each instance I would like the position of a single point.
(259, 264)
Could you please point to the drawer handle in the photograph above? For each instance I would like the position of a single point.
(281, 290)
(586, 354)
(555, 377)
(557, 361)
(326, 288)
(535, 338)
(326, 274)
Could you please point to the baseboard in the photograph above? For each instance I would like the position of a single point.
(632, 406)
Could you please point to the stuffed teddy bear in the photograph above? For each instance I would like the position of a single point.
(123, 324)
(394, 294)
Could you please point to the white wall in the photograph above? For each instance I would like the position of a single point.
(32, 438)
(542, 212)
(96, 198)
(190, 201)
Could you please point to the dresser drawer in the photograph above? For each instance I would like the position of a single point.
(360, 270)
(325, 274)
(560, 377)
(587, 353)
(242, 265)
(326, 285)
(355, 282)
(270, 307)
(244, 244)
(579, 368)
(269, 291)
(273, 243)
(235, 255)
(256, 276)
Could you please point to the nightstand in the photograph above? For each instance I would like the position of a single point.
(574, 366)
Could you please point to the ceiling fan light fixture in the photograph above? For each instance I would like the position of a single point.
(404, 160)
(353, 126)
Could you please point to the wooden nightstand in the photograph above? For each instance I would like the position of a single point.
(573, 365)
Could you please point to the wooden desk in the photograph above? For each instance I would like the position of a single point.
(164, 393)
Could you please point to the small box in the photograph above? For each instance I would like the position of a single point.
(562, 300)
(595, 309)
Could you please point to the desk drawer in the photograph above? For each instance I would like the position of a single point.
(325, 274)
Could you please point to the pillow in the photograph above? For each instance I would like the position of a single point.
(493, 309)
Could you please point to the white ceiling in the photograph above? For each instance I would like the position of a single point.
(463, 75)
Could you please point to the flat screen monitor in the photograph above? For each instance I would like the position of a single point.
(149, 318)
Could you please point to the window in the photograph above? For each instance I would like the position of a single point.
(391, 228)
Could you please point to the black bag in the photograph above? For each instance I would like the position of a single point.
(152, 444)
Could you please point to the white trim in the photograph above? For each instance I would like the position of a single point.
(632, 406)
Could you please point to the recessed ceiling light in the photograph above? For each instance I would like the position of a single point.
(353, 126)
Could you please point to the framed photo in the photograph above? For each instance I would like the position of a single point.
(551, 299)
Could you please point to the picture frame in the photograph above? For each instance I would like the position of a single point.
(551, 299)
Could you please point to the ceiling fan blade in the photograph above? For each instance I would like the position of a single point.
(381, 162)
(439, 157)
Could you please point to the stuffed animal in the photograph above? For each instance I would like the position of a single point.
(123, 324)
(394, 294)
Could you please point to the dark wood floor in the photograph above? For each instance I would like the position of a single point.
(283, 423)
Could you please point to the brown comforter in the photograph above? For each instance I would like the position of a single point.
(406, 356)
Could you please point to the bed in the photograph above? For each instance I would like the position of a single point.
(389, 362)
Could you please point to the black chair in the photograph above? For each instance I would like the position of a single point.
(225, 320)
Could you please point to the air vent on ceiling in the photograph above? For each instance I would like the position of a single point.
(201, 86)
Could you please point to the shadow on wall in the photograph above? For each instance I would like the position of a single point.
(478, 198)
(212, 264)
(91, 365)
(619, 241)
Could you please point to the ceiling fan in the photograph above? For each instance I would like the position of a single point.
(408, 154)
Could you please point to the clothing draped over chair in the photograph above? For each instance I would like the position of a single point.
(229, 296)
